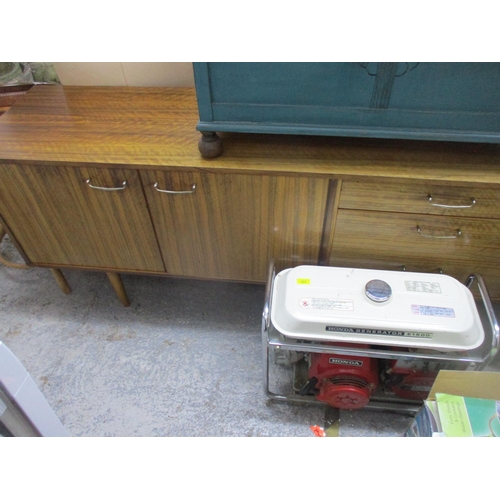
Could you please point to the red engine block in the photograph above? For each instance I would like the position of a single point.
(344, 382)
(412, 380)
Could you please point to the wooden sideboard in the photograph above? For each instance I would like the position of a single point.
(111, 179)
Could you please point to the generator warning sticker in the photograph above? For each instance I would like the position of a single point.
(423, 286)
(442, 312)
(326, 304)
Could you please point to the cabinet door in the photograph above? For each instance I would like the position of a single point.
(59, 219)
(229, 226)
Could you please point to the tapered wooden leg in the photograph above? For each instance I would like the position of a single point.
(3, 260)
(61, 280)
(117, 284)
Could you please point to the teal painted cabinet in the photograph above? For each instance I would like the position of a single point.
(421, 101)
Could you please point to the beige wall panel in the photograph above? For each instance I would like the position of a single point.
(90, 73)
(133, 74)
(158, 74)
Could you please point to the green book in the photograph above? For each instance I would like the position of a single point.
(468, 417)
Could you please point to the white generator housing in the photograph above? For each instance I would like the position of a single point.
(389, 308)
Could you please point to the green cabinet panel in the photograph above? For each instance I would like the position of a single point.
(426, 101)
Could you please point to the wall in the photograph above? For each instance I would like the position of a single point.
(132, 74)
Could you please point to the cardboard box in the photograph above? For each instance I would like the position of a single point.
(477, 385)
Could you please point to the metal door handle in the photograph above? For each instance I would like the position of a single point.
(459, 233)
(193, 188)
(472, 203)
(105, 188)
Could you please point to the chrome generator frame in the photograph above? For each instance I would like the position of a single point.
(475, 360)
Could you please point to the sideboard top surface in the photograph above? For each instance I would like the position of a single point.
(154, 127)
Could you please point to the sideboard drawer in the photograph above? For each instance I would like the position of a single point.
(420, 238)
(422, 198)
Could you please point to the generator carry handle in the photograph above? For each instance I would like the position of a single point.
(266, 313)
(495, 329)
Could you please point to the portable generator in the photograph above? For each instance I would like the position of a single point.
(358, 338)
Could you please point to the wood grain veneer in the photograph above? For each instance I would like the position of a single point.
(151, 127)
(233, 224)
(412, 197)
(59, 220)
(295, 199)
(390, 236)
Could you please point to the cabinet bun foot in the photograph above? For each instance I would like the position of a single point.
(210, 145)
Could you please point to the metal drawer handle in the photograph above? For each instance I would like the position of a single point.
(472, 203)
(193, 189)
(104, 188)
(459, 233)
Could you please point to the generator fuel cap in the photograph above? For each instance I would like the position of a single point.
(378, 291)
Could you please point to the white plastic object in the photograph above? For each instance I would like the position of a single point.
(423, 310)
(21, 389)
